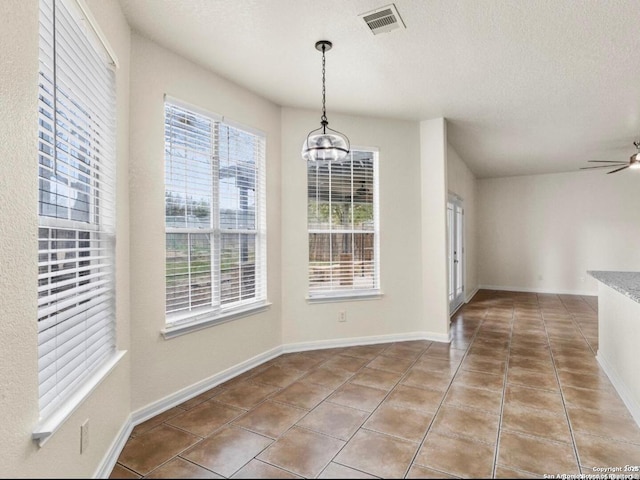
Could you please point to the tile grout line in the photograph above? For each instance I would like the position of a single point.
(504, 392)
(435, 413)
(564, 403)
(379, 404)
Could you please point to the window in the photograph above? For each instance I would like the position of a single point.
(214, 217)
(343, 226)
(76, 204)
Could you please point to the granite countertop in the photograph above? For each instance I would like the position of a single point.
(627, 283)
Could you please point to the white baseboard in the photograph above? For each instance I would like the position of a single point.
(537, 290)
(470, 296)
(110, 459)
(371, 340)
(626, 396)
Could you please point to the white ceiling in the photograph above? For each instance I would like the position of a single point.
(528, 86)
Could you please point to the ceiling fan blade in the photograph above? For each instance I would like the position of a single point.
(603, 166)
(614, 171)
(604, 161)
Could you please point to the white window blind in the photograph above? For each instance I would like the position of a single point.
(343, 226)
(214, 216)
(76, 115)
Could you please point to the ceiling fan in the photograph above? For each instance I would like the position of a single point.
(634, 162)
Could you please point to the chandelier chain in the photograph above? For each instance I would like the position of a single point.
(324, 110)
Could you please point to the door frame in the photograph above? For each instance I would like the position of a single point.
(455, 252)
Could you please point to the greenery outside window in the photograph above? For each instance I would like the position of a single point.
(343, 226)
(214, 216)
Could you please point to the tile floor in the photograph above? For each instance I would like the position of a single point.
(517, 394)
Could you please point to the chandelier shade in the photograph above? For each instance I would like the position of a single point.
(325, 144)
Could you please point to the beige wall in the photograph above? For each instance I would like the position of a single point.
(543, 232)
(399, 311)
(163, 367)
(433, 222)
(107, 407)
(462, 182)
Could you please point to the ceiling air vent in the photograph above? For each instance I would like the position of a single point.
(383, 19)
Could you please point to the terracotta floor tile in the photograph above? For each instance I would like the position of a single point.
(205, 418)
(596, 451)
(270, 418)
(345, 362)
(457, 456)
(540, 353)
(407, 354)
(258, 469)
(487, 365)
(550, 402)
(243, 377)
(545, 381)
(536, 422)
(151, 449)
(545, 368)
(479, 379)
(358, 396)
(303, 394)
(299, 362)
(536, 455)
(434, 364)
(157, 420)
(378, 454)
(382, 398)
(203, 397)
(596, 400)
(418, 471)
(581, 380)
(390, 364)
(499, 355)
(445, 353)
(334, 420)
(302, 452)
(603, 424)
(122, 472)
(471, 397)
(278, 376)
(329, 377)
(506, 472)
(227, 451)
(417, 398)
(365, 351)
(246, 395)
(431, 380)
(376, 378)
(400, 422)
(579, 365)
(335, 470)
(180, 468)
(478, 425)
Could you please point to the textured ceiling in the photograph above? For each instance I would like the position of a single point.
(528, 86)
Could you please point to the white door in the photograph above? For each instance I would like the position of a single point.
(455, 221)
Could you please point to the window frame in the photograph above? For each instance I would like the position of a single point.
(336, 295)
(192, 319)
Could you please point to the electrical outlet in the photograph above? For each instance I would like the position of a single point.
(342, 316)
(84, 436)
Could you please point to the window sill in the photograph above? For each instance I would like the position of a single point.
(48, 426)
(349, 297)
(208, 319)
